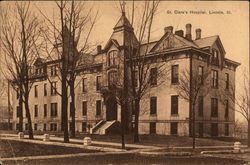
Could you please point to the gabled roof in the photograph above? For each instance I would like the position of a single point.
(39, 61)
(111, 41)
(184, 42)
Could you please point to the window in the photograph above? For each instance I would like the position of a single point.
(45, 110)
(152, 128)
(17, 126)
(53, 88)
(84, 108)
(53, 126)
(173, 128)
(98, 107)
(200, 74)
(53, 70)
(84, 127)
(201, 129)
(36, 92)
(174, 105)
(214, 107)
(214, 129)
(18, 112)
(226, 108)
(44, 127)
(70, 109)
(215, 78)
(112, 77)
(84, 85)
(45, 89)
(200, 105)
(215, 57)
(226, 129)
(36, 110)
(153, 105)
(227, 80)
(98, 83)
(26, 126)
(136, 76)
(153, 76)
(53, 109)
(175, 74)
(112, 58)
(35, 127)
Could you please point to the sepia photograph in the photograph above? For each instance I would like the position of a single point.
(124, 82)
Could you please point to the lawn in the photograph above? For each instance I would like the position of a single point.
(165, 141)
(9, 148)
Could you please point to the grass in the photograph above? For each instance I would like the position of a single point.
(165, 141)
(9, 148)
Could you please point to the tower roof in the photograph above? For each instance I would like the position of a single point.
(123, 22)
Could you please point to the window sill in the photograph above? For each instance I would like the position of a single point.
(153, 115)
(174, 115)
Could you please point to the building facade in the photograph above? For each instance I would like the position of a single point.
(163, 111)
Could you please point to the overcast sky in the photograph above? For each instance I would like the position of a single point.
(233, 28)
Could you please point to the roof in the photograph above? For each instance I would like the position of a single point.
(207, 41)
(123, 21)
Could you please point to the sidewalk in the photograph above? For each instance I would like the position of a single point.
(59, 141)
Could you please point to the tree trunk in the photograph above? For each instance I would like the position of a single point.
(26, 104)
(248, 133)
(193, 125)
(136, 128)
(20, 112)
(64, 108)
(72, 109)
(123, 113)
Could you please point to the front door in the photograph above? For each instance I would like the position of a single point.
(111, 112)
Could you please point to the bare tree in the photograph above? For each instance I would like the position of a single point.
(138, 63)
(20, 35)
(80, 27)
(237, 100)
(193, 83)
(70, 42)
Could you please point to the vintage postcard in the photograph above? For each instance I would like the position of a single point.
(124, 82)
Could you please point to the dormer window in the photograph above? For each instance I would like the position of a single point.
(215, 57)
(113, 58)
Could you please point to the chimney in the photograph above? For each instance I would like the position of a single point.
(168, 29)
(179, 33)
(198, 34)
(188, 32)
(99, 49)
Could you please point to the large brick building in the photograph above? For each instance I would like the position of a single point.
(164, 112)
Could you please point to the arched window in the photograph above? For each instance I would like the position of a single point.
(113, 58)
